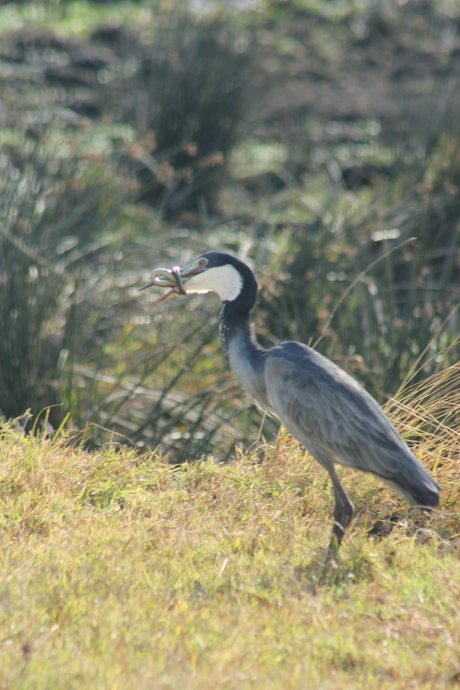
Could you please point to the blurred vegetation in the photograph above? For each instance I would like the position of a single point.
(318, 140)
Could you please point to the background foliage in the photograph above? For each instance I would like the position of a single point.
(319, 141)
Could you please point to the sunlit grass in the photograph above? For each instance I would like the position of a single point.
(124, 571)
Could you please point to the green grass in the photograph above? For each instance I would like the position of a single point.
(120, 571)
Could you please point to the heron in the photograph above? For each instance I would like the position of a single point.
(320, 405)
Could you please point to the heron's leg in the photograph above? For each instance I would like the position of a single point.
(343, 511)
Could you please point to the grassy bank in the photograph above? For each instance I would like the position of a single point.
(120, 571)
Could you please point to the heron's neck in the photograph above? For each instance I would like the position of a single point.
(245, 356)
(237, 324)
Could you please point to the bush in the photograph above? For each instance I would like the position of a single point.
(52, 217)
(187, 94)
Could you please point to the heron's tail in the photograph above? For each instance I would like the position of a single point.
(417, 485)
(427, 497)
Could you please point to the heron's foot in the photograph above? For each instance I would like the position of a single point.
(341, 521)
(330, 564)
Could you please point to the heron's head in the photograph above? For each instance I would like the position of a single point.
(219, 272)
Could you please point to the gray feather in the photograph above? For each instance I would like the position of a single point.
(330, 413)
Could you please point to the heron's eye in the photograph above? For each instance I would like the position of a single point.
(202, 262)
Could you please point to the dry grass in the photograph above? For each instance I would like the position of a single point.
(120, 571)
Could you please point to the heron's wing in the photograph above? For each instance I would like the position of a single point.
(330, 413)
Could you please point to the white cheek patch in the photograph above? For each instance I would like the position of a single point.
(225, 280)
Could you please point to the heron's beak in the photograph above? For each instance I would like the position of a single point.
(164, 277)
(173, 278)
(168, 278)
(149, 285)
(190, 271)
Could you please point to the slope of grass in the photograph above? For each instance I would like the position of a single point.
(120, 571)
